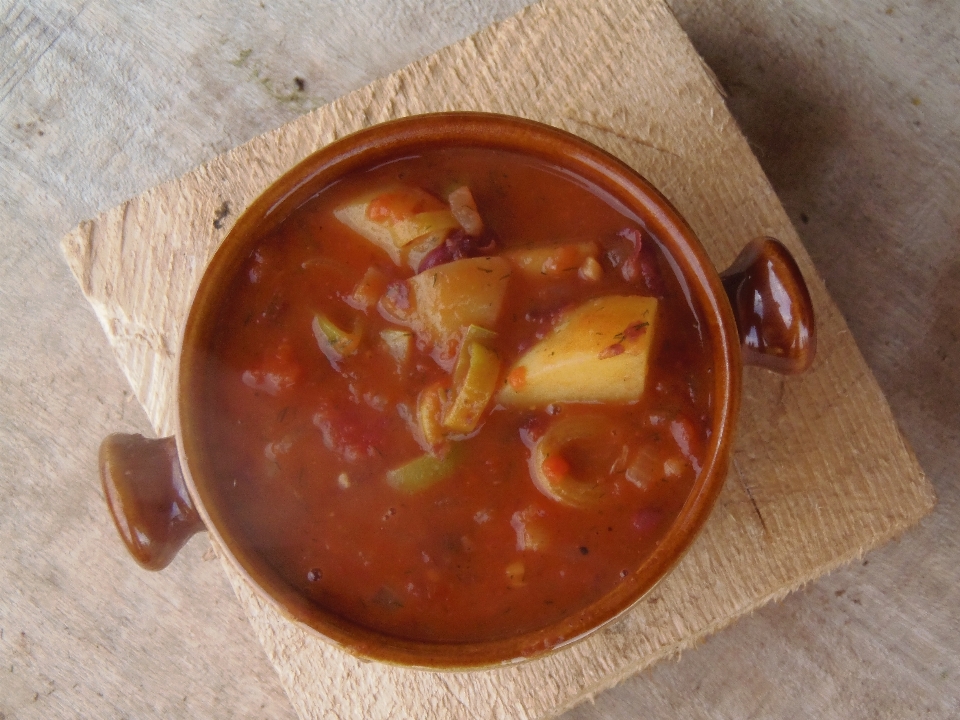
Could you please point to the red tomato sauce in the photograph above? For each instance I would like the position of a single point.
(304, 431)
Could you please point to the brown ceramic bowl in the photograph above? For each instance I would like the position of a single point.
(758, 312)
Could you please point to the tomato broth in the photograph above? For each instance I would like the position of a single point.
(419, 436)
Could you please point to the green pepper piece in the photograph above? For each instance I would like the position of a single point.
(425, 471)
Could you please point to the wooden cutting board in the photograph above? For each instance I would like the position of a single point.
(820, 473)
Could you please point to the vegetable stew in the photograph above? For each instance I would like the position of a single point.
(456, 397)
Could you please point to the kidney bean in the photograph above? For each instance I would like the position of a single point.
(457, 246)
(642, 263)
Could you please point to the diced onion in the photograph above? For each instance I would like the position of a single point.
(464, 209)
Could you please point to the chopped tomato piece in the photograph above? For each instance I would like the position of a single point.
(278, 371)
(351, 431)
(518, 378)
(555, 468)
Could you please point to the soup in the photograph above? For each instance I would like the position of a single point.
(456, 397)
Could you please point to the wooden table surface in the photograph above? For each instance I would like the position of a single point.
(852, 108)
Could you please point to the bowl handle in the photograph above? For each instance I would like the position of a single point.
(772, 306)
(147, 497)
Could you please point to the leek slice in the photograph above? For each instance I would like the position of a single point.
(331, 337)
(474, 333)
(472, 396)
(587, 432)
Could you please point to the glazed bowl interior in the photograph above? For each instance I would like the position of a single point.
(604, 175)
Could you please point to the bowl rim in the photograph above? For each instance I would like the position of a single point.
(390, 140)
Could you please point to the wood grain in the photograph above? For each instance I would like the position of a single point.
(820, 473)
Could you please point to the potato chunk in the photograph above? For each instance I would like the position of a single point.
(447, 299)
(598, 352)
(555, 261)
(354, 216)
(405, 222)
